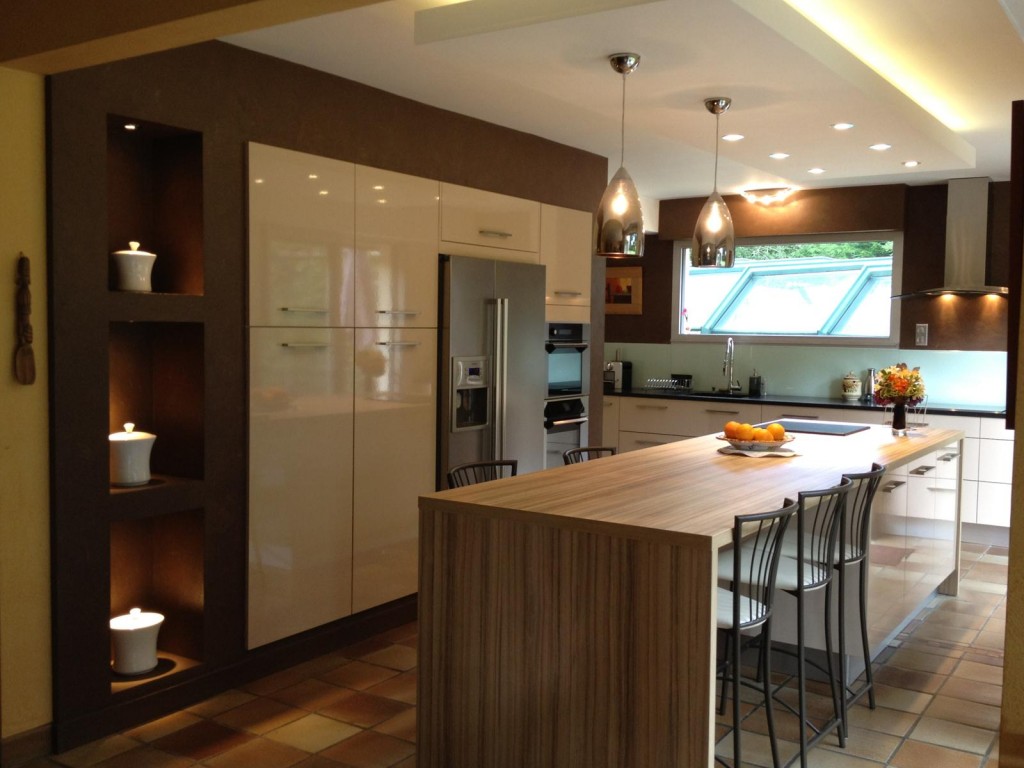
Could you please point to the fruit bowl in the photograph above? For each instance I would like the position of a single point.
(756, 445)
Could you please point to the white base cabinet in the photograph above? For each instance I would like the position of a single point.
(300, 480)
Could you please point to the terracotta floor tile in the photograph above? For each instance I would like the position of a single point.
(974, 691)
(922, 661)
(870, 745)
(318, 761)
(955, 711)
(90, 754)
(400, 634)
(313, 733)
(400, 688)
(222, 702)
(905, 701)
(909, 679)
(145, 757)
(259, 753)
(954, 735)
(370, 750)
(882, 720)
(410, 762)
(945, 634)
(358, 650)
(309, 695)
(400, 657)
(163, 726)
(259, 716)
(954, 619)
(401, 726)
(916, 754)
(982, 673)
(358, 675)
(756, 749)
(202, 740)
(363, 709)
(993, 637)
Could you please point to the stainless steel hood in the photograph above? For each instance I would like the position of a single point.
(966, 242)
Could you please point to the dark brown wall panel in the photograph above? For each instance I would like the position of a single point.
(653, 326)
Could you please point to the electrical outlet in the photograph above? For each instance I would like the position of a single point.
(921, 335)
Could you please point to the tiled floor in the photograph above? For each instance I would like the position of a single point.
(938, 688)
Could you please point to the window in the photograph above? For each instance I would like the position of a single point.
(830, 288)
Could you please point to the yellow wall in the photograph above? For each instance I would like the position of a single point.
(24, 443)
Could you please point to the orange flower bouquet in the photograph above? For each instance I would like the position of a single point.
(899, 384)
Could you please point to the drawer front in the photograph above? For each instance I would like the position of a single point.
(852, 415)
(994, 504)
(995, 461)
(634, 441)
(889, 509)
(969, 501)
(995, 429)
(664, 417)
(703, 418)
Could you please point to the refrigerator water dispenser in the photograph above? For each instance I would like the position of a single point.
(470, 393)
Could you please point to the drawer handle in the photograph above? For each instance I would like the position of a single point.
(304, 344)
(941, 490)
(410, 312)
(310, 310)
(653, 407)
(948, 456)
(892, 485)
(398, 343)
(651, 442)
(568, 293)
(924, 469)
(609, 404)
(494, 233)
(727, 413)
(799, 416)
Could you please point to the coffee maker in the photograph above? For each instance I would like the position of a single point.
(618, 376)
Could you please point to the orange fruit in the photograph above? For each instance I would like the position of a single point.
(778, 431)
(762, 435)
(731, 427)
(745, 432)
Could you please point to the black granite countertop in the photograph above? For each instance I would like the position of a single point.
(949, 409)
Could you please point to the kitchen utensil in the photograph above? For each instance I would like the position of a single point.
(24, 357)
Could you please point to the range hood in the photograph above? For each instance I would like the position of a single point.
(966, 241)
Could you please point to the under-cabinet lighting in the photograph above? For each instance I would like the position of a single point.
(130, 126)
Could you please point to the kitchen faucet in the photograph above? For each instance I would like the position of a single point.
(727, 367)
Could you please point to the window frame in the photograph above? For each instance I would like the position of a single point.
(680, 267)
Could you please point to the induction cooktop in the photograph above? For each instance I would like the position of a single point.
(810, 427)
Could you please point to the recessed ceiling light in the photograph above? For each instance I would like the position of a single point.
(324, 192)
(778, 155)
(733, 137)
(313, 176)
(815, 170)
(911, 164)
(382, 200)
(378, 187)
(842, 126)
(881, 147)
(130, 126)
(257, 181)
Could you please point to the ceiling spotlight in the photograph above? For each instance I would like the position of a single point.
(815, 170)
(778, 155)
(911, 164)
(767, 196)
(620, 222)
(130, 126)
(733, 137)
(881, 147)
(714, 240)
(313, 176)
(842, 126)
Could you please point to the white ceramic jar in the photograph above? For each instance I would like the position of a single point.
(129, 456)
(135, 634)
(851, 386)
(134, 269)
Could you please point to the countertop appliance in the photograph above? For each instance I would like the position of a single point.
(492, 367)
(618, 376)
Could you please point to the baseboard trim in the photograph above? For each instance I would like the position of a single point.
(25, 747)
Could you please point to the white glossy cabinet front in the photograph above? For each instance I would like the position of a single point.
(395, 409)
(396, 250)
(301, 239)
(566, 250)
(300, 480)
(492, 225)
(610, 423)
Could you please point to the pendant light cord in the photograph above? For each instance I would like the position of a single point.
(715, 185)
(622, 133)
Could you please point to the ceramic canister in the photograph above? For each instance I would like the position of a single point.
(134, 269)
(134, 636)
(851, 386)
(129, 456)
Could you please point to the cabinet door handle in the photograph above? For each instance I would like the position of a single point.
(308, 310)
(608, 404)
(941, 490)
(727, 413)
(652, 407)
(409, 312)
(924, 469)
(494, 233)
(948, 456)
(799, 416)
(568, 293)
(652, 442)
(892, 485)
(304, 344)
(398, 343)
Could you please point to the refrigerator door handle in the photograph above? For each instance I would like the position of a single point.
(500, 375)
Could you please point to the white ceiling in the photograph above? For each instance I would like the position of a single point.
(540, 66)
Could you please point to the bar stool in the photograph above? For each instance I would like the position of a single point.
(746, 606)
(820, 536)
(858, 540)
(579, 455)
(481, 471)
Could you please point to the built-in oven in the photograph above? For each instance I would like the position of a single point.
(568, 359)
(565, 427)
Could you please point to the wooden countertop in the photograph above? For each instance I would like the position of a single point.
(685, 492)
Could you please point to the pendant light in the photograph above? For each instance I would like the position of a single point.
(714, 241)
(620, 222)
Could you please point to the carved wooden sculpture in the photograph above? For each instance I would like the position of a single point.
(24, 357)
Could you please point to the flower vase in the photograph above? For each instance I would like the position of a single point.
(899, 419)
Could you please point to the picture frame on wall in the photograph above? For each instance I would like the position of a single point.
(624, 291)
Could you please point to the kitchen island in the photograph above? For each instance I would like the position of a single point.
(567, 616)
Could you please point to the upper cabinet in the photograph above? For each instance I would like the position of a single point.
(478, 223)
(566, 249)
(301, 239)
(396, 250)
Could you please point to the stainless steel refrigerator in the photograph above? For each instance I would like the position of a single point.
(492, 365)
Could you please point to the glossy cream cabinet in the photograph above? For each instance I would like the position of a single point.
(395, 415)
(566, 249)
(396, 250)
(485, 224)
(300, 479)
(301, 239)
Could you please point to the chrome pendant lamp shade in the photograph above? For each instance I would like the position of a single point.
(714, 240)
(620, 222)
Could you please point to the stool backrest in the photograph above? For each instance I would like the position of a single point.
(757, 543)
(858, 512)
(579, 455)
(818, 520)
(481, 471)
